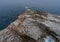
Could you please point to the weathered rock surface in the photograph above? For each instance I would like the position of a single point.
(33, 26)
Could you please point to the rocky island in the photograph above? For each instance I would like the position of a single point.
(33, 26)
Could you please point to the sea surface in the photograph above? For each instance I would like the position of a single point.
(10, 9)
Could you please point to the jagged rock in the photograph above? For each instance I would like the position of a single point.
(33, 27)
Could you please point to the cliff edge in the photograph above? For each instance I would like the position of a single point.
(33, 26)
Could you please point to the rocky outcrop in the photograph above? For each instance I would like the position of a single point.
(33, 26)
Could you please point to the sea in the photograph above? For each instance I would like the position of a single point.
(11, 9)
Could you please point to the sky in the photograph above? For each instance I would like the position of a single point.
(10, 7)
(32, 2)
(47, 4)
(35, 2)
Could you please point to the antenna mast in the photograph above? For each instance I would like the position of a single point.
(26, 4)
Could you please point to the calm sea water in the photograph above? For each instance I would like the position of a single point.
(10, 9)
